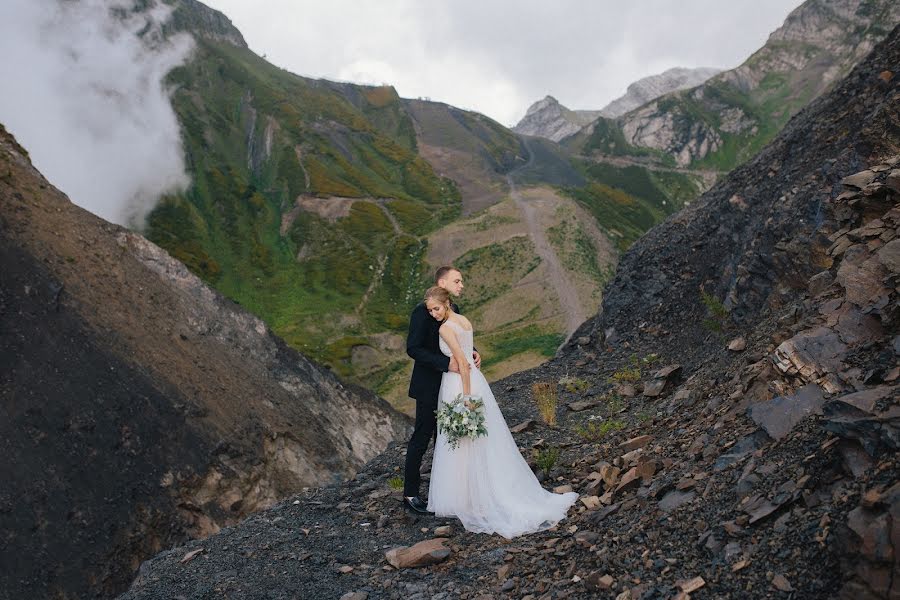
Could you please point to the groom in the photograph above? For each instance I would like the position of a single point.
(431, 363)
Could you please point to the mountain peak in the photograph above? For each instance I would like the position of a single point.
(549, 119)
(201, 20)
(649, 88)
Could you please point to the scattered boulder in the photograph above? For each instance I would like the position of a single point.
(523, 426)
(580, 405)
(738, 344)
(859, 180)
(674, 499)
(636, 442)
(424, 553)
(779, 415)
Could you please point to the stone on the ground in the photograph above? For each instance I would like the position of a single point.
(674, 499)
(595, 582)
(691, 585)
(580, 405)
(782, 584)
(521, 426)
(443, 531)
(630, 480)
(635, 442)
(737, 344)
(424, 553)
(779, 415)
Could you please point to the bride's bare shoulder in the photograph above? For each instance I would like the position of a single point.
(467, 324)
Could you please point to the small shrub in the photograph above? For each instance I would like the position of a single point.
(395, 482)
(614, 404)
(650, 358)
(717, 311)
(574, 385)
(546, 399)
(546, 458)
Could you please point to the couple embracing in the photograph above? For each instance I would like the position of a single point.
(483, 481)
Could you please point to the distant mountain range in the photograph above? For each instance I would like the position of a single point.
(549, 119)
(727, 119)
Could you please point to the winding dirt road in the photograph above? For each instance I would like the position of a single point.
(570, 306)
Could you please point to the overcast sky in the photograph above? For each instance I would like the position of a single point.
(499, 56)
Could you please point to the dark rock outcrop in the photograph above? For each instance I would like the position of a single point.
(139, 407)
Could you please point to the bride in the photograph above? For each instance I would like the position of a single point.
(484, 482)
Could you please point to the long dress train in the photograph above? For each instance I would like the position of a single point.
(485, 482)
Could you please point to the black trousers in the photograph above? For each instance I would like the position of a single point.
(425, 430)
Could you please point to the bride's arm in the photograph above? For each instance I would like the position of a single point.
(449, 336)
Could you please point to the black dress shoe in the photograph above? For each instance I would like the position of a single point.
(415, 504)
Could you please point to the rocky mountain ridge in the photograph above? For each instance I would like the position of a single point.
(727, 119)
(549, 119)
(141, 408)
(652, 87)
(730, 419)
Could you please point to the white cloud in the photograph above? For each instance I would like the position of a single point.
(84, 95)
(498, 56)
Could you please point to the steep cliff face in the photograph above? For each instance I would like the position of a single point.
(649, 88)
(139, 406)
(729, 118)
(549, 119)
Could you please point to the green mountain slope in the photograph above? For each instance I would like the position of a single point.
(257, 140)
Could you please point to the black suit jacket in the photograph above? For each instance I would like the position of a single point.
(422, 346)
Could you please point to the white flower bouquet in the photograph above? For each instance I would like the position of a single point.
(460, 418)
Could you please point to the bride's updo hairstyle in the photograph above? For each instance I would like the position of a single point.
(439, 294)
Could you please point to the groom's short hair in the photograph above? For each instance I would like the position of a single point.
(442, 273)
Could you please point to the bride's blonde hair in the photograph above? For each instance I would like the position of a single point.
(438, 293)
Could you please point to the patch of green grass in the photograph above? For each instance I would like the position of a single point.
(624, 216)
(626, 375)
(545, 458)
(577, 251)
(574, 385)
(491, 221)
(395, 482)
(594, 431)
(531, 338)
(493, 269)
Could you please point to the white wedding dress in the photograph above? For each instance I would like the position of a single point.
(485, 482)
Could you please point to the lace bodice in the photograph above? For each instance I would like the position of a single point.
(466, 339)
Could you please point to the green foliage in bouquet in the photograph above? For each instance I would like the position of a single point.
(463, 417)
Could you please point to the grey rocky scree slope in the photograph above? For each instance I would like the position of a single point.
(709, 481)
(139, 407)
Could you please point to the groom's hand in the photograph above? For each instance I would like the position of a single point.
(477, 358)
(453, 368)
